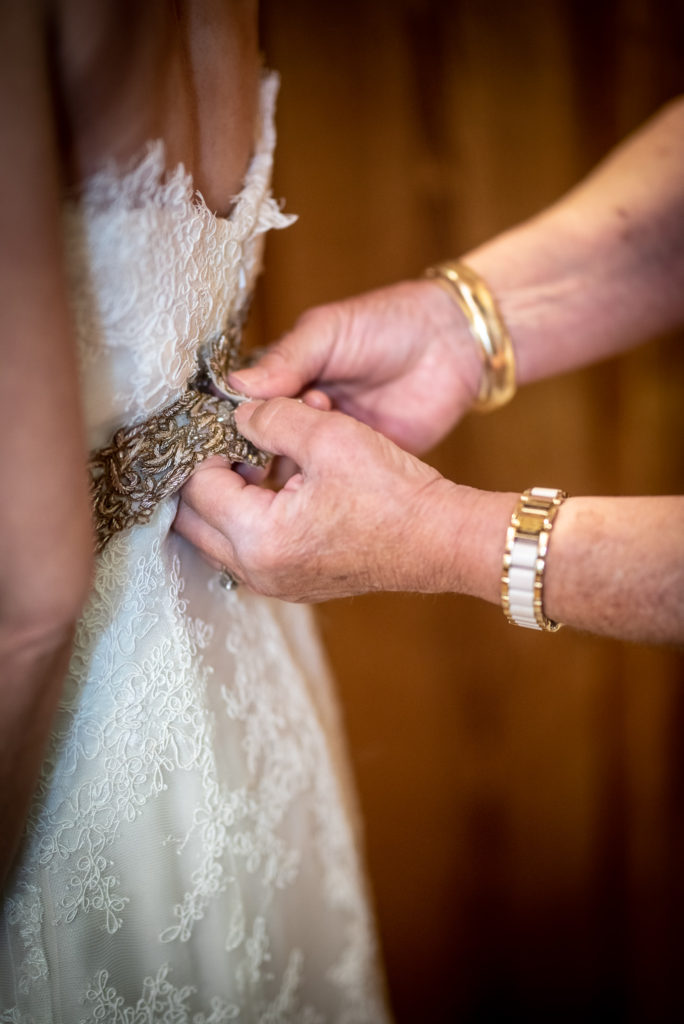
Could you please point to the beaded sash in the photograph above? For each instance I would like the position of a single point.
(149, 461)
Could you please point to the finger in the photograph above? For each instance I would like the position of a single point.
(284, 426)
(212, 490)
(224, 500)
(294, 361)
(317, 399)
(210, 542)
(252, 474)
(282, 469)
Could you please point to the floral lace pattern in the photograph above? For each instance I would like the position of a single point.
(161, 1002)
(189, 855)
(140, 324)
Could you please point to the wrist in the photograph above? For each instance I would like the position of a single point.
(487, 328)
(447, 320)
(525, 558)
(530, 287)
(471, 526)
(557, 284)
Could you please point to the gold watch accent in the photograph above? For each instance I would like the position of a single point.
(527, 544)
(486, 325)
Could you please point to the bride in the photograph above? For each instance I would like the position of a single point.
(177, 830)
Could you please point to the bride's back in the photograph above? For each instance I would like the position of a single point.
(185, 71)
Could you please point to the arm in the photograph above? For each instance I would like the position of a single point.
(603, 269)
(595, 274)
(45, 536)
(363, 515)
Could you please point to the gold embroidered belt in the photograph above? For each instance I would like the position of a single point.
(149, 461)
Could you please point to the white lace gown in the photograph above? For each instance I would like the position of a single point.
(190, 855)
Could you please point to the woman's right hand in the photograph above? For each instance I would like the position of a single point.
(359, 514)
(399, 359)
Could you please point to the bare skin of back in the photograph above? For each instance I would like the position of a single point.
(183, 70)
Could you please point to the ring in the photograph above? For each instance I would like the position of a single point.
(227, 580)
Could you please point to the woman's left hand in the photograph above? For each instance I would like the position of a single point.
(355, 517)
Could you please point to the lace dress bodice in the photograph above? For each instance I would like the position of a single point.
(153, 273)
(190, 856)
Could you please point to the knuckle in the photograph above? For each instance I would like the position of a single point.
(257, 554)
(275, 408)
(312, 317)
(336, 435)
(320, 444)
(321, 324)
(276, 357)
(268, 413)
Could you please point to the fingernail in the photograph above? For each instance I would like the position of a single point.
(249, 376)
(245, 409)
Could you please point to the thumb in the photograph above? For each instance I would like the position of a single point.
(284, 426)
(294, 362)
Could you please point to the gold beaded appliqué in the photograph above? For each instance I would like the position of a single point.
(149, 461)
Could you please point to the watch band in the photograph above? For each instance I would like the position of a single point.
(527, 542)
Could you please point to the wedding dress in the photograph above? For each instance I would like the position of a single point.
(190, 856)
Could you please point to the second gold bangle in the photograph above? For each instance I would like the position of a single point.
(497, 385)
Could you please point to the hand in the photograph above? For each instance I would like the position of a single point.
(354, 518)
(399, 359)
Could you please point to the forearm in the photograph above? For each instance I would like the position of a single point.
(602, 270)
(615, 566)
(597, 273)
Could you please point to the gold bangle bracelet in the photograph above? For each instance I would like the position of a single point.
(487, 327)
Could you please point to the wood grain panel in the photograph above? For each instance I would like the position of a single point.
(523, 795)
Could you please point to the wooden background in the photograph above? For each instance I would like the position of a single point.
(523, 794)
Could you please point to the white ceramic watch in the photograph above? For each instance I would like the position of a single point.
(527, 542)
